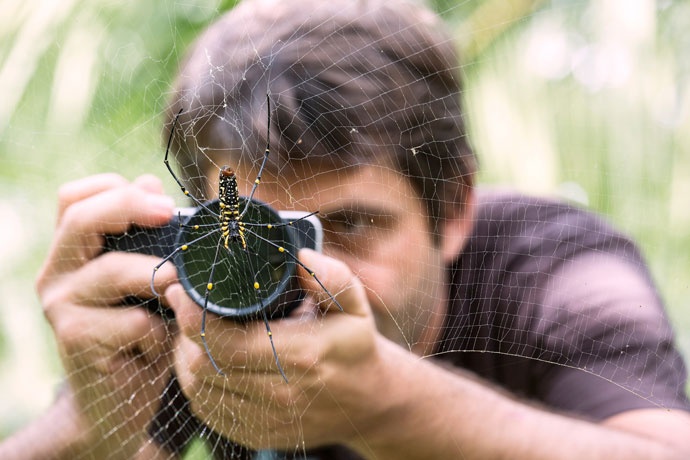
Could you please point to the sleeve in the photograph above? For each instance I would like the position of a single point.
(604, 322)
(553, 304)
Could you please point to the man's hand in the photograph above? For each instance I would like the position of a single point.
(117, 359)
(331, 359)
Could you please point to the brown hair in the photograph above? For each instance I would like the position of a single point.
(350, 83)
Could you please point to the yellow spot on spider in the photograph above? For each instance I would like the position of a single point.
(203, 334)
(269, 226)
(312, 274)
(256, 285)
(257, 181)
(196, 227)
(184, 247)
(270, 334)
(209, 286)
(281, 249)
(186, 192)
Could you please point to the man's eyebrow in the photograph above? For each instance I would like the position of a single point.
(362, 209)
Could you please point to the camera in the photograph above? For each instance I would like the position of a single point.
(253, 274)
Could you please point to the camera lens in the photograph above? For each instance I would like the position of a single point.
(251, 274)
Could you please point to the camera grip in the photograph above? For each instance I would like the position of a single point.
(156, 241)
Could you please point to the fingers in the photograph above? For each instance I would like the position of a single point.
(338, 280)
(79, 307)
(318, 348)
(80, 189)
(77, 190)
(150, 183)
(101, 205)
(233, 345)
(247, 347)
(76, 273)
(93, 333)
(114, 210)
(219, 332)
(109, 278)
(112, 329)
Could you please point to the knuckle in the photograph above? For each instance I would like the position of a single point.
(69, 332)
(111, 179)
(53, 301)
(109, 267)
(149, 182)
(138, 320)
(82, 188)
(286, 397)
(196, 364)
(281, 399)
(68, 193)
(195, 361)
(130, 194)
(307, 361)
(74, 216)
(42, 281)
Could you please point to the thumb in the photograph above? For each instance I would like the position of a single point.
(332, 283)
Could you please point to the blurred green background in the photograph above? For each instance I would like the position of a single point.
(583, 99)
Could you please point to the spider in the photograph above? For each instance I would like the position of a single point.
(235, 234)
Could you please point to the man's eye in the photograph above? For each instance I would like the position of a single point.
(355, 232)
(357, 223)
(352, 223)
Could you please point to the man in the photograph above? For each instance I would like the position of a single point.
(541, 333)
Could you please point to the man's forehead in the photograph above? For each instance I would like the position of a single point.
(292, 186)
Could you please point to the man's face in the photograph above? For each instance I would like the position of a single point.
(374, 221)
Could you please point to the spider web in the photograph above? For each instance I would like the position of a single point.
(582, 102)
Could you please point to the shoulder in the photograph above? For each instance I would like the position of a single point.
(518, 241)
(559, 302)
(519, 223)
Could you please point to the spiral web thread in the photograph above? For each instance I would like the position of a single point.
(556, 106)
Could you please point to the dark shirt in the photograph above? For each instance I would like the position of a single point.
(546, 301)
(551, 303)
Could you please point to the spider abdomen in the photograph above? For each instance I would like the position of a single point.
(231, 225)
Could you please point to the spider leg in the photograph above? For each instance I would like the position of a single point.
(199, 226)
(265, 317)
(273, 347)
(294, 257)
(209, 288)
(172, 173)
(184, 247)
(257, 181)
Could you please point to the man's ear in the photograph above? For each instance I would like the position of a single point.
(457, 227)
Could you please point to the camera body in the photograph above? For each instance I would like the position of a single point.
(242, 277)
